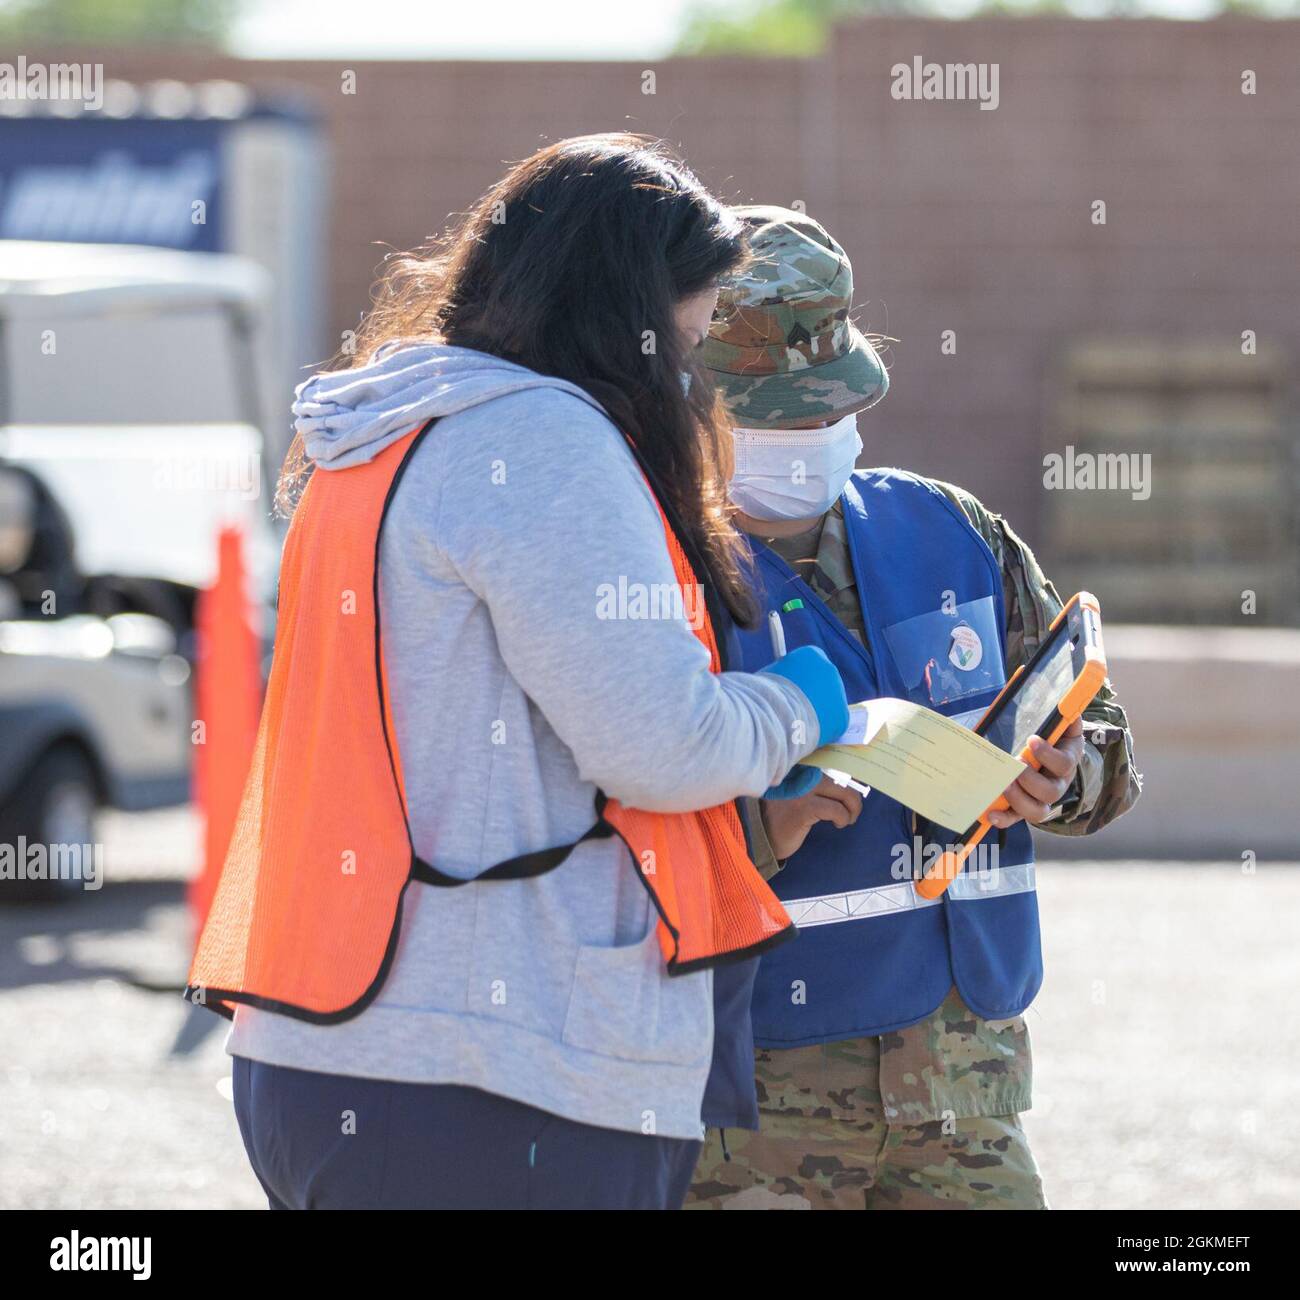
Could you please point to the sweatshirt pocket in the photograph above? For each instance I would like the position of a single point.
(624, 1006)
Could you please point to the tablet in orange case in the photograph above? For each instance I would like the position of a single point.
(1081, 621)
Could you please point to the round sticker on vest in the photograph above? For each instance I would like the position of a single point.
(967, 649)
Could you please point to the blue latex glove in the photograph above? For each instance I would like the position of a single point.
(798, 781)
(814, 674)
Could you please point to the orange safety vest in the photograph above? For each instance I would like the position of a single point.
(308, 907)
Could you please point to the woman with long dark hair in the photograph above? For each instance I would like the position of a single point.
(488, 862)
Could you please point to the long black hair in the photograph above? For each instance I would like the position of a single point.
(572, 265)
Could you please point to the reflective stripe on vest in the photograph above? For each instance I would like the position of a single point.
(886, 900)
(307, 910)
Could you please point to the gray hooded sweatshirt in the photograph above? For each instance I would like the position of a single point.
(520, 681)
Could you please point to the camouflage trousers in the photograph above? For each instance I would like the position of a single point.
(825, 1144)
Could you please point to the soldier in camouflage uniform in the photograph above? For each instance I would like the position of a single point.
(927, 1116)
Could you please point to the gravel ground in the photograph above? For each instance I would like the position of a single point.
(1166, 1040)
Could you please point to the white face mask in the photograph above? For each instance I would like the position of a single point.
(793, 473)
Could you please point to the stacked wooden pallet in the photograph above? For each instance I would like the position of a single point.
(1208, 516)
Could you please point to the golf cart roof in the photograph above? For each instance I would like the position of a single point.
(46, 278)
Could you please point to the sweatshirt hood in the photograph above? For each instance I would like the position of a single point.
(347, 417)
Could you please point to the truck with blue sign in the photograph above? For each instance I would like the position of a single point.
(159, 278)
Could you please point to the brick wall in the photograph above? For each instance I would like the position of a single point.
(956, 218)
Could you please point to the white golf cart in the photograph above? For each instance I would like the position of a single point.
(130, 431)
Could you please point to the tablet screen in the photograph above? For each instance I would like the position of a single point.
(1033, 700)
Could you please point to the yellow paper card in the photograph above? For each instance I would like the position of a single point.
(927, 762)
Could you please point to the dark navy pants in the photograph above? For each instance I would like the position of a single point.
(333, 1142)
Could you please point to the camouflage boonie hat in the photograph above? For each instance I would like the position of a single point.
(781, 349)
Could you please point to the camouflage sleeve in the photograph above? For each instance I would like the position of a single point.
(1107, 783)
(760, 847)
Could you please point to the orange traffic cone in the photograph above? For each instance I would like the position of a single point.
(227, 701)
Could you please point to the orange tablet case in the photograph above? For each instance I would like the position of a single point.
(1072, 704)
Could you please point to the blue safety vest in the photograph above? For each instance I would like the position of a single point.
(872, 955)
